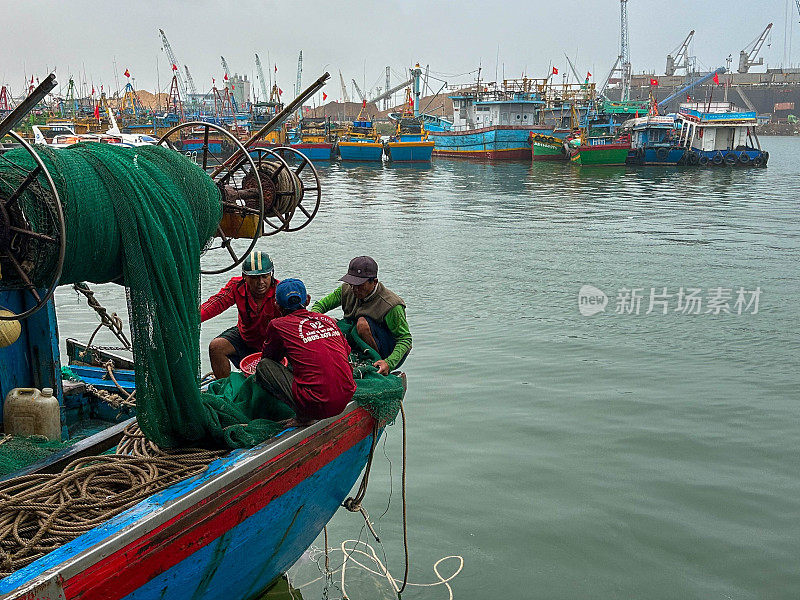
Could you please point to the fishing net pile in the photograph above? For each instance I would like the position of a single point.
(142, 217)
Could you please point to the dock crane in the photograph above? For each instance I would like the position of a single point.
(345, 97)
(229, 81)
(299, 89)
(174, 62)
(358, 89)
(260, 72)
(747, 57)
(623, 63)
(190, 82)
(679, 59)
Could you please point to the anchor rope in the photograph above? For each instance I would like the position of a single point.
(42, 511)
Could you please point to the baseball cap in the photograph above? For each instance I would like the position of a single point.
(257, 263)
(291, 294)
(360, 270)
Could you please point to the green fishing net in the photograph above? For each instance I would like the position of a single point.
(141, 217)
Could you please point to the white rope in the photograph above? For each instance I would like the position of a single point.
(351, 549)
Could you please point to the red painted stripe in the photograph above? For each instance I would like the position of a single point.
(129, 568)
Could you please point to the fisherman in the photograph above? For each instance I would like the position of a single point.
(320, 383)
(254, 296)
(378, 313)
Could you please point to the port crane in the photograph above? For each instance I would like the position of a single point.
(190, 82)
(747, 57)
(260, 72)
(391, 91)
(623, 63)
(173, 62)
(345, 97)
(358, 89)
(229, 81)
(678, 59)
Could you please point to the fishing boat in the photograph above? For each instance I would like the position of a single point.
(360, 141)
(654, 141)
(410, 141)
(208, 523)
(597, 150)
(547, 148)
(312, 137)
(724, 137)
(496, 122)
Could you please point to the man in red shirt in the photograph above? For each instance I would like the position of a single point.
(320, 383)
(254, 296)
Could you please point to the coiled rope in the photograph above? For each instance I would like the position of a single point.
(41, 512)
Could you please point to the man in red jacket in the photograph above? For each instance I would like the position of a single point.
(254, 296)
(320, 383)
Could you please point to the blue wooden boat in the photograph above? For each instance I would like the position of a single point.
(312, 138)
(360, 141)
(228, 531)
(410, 141)
(725, 138)
(654, 141)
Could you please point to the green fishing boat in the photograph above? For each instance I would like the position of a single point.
(547, 147)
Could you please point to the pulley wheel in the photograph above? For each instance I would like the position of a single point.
(237, 200)
(32, 233)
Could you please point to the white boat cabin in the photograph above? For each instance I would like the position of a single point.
(469, 112)
(716, 131)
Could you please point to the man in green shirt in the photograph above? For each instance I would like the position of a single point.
(378, 313)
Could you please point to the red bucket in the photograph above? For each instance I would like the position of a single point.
(249, 363)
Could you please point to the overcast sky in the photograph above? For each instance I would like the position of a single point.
(361, 38)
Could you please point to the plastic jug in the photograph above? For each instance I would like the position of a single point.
(28, 411)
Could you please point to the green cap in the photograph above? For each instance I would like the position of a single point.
(257, 263)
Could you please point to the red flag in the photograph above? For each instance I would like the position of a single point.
(324, 96)
(653, 81)
(31, 79)
(716, 78)
(276, 68)
(555, 71)
(588, 74)
(213, 81)
(97, 111)
(92, 90)
(280, 91)
(101, 88)
(127, 73)
(226, 77)
(363, 104)
(174, 67)
(688, 98)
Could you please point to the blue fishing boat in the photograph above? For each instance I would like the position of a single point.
(654, 141)
(313, 138)
(360, 141)
(111, 515)
(410, 141)
(725, 138)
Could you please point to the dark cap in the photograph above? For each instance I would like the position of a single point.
(361, 269)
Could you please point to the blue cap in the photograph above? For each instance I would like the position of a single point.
(291, 294)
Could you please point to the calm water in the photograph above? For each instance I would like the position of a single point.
(568, 456)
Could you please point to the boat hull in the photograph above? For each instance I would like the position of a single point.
(409, 151)
(361, 151)
(547, 148)
(488, 143)
(601, 154)
(314, 151)
(226, 533)
(663, 155)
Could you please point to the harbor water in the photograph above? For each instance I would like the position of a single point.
(648, 450)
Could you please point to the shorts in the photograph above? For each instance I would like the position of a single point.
(240, 348)
(384, 338)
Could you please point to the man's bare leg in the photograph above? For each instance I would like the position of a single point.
(364, 332)
(218, 351)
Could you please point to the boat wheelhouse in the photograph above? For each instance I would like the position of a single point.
(654, 140)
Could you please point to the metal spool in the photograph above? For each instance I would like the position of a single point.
(32, 235)
(307, 178)
(238, 202)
